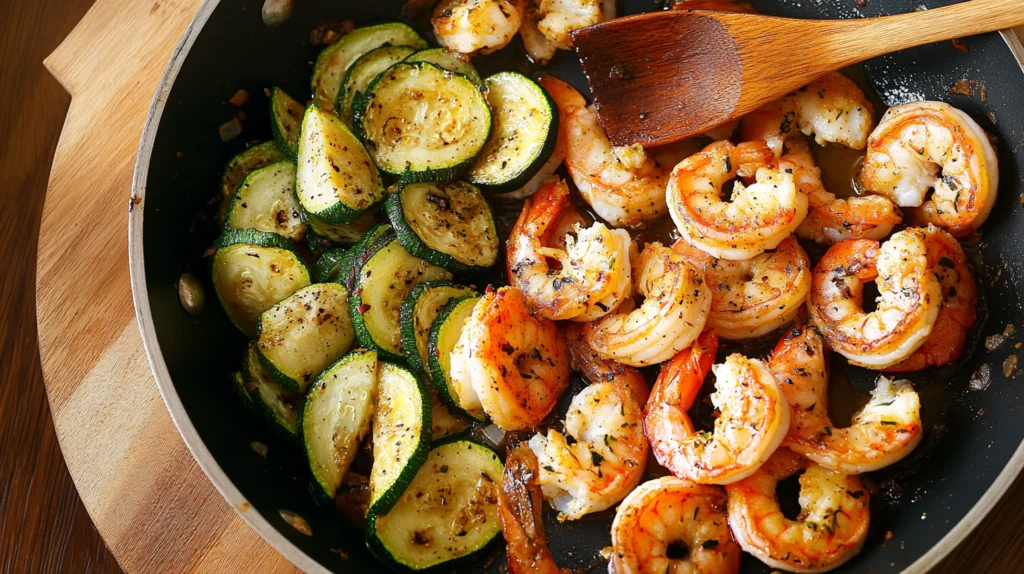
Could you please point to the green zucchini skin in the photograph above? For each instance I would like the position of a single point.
(437, 348)
(401, 434)
(277, 406)
(304, 333)
(352, 261)
(416, 323)
(336, 180)
(511, 158)
(322, 236)
(286, 122)
(266, 201)
(348, 387)
(335, 60)
(384, 279)
(362, 73)
(449, 224)
(455, 475)
(255, 248)
(382, 106)
(242, 387)
(328, 265)
(238, 167)
(444, 59)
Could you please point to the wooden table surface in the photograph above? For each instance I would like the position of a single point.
(43, 525)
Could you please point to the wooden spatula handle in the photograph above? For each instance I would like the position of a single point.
(883, 35)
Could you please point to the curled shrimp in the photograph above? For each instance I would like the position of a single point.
(832, 108)
(675, 308)
(908, 302)
(753, 421)
(476, 26)
(925, 146)
(597, 369)
(522, 524)
(958, 311)
(753, 297)
(623, 185)
(830, 219)
(594, 272)
(830, 529)
(667, 510)
(884, 431)
(556, 19)
(757, 218)
(607, 459)
(508, 363)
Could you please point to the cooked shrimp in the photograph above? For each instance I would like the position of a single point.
(908, 302)
(757, 218)
(675, 308)
(830, 219)
(519, 504)
(753, 297)
(925, 146)
(622, 184)
(508, 363)
(753, 421)
(832, 109)
(605, 462)
(476, 26)
(887, 429)
(830, 529)
(959, 309)
(667, 510)
(597, 369)
(593, 275)
(556, 19)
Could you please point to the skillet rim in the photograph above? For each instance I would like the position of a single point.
(213, 470)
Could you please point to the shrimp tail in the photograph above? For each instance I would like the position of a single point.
(520, 506)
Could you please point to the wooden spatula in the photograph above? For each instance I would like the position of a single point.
(660, 77)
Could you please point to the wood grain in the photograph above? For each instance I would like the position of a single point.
(144, 491)
(43, 525)
(660, 77)
(153, 505)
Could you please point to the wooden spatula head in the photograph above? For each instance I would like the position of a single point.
(664, 76)
(660, 77)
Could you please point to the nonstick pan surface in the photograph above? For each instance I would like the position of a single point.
(968, 457)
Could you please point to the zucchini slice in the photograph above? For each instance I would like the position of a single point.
(363, 72)
(417, 314)
(280, 407)
(336, 179)
(444, 59)
(448, 511)
(443, 421)
(423, 123)
(335, 60)
(401, 435)
(382, 283)
(329, 264)
(444, 335)
(238, 167)
(523, 137)
(243, 388)
(251, 271)
(322, 236)
(286, 121)
(266, 201)
(304, 333)
(337, 415)
(354, 258)
(448, 224)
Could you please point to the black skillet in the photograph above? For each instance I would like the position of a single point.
(929, 502)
